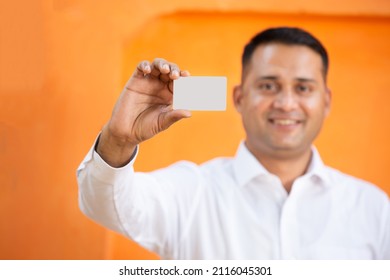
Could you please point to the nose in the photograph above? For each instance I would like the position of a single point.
(285, 100)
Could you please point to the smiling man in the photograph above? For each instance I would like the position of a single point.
(283, 100)
(274, 200)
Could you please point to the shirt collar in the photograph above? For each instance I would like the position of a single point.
(246, 167)
(317, 168)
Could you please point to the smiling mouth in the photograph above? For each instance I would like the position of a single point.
(285, 122)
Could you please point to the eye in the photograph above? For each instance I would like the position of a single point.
(303, 89)
(268, 87)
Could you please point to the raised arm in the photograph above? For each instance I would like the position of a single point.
(139, 206)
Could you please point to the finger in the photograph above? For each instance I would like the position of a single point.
(185, 73)
(165, 78)
(143, 68)
(174, 71)
(159, 66)
(170, 86)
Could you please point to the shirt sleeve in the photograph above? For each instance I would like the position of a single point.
(385, 244)
(150, 208)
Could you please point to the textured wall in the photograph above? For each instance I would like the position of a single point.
(64, 62)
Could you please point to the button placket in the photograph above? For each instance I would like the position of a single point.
(289, 231)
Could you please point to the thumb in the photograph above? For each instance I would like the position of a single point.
(170, 117)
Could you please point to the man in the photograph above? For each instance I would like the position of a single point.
(274, 200)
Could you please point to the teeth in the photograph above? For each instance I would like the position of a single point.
(285, 122)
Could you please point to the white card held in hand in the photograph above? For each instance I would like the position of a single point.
(198, 93)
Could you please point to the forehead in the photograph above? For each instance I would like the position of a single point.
(289, 61)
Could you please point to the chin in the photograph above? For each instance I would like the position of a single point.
(290, 149)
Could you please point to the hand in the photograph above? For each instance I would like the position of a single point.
(143, 109)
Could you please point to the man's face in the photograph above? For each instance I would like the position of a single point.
(283, 99)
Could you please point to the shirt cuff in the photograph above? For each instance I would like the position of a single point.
(104, 167)
(102, 170)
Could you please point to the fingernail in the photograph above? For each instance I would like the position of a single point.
(166, 67)
(175, 73)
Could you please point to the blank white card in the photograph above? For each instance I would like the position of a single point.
(200, 93)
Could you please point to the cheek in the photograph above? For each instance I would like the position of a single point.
(256, 113)
(259, 104)
(314, 107)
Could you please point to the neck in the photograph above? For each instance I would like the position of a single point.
(286, 168)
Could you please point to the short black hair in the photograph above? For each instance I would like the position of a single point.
(287, 36)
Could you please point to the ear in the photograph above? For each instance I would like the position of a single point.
(328, 101)
(237, 97)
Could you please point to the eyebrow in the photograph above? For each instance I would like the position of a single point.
(276, 78)
(306, 80)
(267, 78)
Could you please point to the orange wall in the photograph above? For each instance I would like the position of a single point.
(62, 66)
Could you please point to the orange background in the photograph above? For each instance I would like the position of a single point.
(63, 64)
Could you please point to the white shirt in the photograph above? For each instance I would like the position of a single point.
(233, 208)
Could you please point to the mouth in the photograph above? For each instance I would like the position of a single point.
(285, 122)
